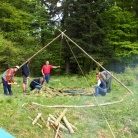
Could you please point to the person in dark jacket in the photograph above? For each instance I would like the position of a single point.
(100, 88)
(37, 83)
(25, 73)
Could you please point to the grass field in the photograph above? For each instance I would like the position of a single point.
(118, 120)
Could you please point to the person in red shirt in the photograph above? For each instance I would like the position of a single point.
(8, 79)
(46, 71)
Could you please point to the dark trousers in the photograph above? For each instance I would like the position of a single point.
(47, 77)
(6, 87)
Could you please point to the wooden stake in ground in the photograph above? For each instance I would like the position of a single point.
(68, 125)
(38, 116)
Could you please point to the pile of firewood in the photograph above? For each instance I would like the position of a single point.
(57, 123)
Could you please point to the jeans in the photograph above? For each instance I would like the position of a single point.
(47, 77)
(99, 90)
(6, 87)
(38, 87)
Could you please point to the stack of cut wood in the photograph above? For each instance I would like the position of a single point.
(52, 92)
(56, 122)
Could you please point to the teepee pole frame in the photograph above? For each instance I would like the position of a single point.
(96, 61)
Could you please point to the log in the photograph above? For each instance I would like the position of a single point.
(43, 120)
(73, 127)
(68, 125)
(61, 126)
(79, 106)
(60, 117)
(57, 130)
(35, 120)
(47, 124)
(54, 119)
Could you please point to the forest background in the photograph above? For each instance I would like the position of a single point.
(106, 29)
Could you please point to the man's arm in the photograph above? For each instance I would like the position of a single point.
(42, 71)
(55, 67)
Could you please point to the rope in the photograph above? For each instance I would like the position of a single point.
(77, 62)
(94, 96)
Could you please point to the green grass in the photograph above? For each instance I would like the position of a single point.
(92, 122)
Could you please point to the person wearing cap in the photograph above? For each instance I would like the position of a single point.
(25, 73)
(8, 79)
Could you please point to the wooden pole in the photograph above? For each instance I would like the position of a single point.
(54, 119)
(79, 106)
(60, 117)
(68, 125)
(43, 120)
(61, 126)
(42, 48)
(48, 124)
(57, 130)
(36, 122)
(96, 61)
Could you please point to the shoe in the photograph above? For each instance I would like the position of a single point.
(10, 93)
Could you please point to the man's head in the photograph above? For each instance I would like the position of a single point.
(41, 79)
(16, 68)
(47, 62)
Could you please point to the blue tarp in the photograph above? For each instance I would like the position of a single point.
(4, 134)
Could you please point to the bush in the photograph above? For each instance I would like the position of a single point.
(128, 80)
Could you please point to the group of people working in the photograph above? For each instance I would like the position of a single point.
(8, 77)
(103, 86)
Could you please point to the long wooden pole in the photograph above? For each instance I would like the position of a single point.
(42, 49)
(96, 61)
(79, 106)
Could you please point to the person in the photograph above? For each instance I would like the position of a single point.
(8, 79)
(107, 79)
(25, 73)
(37, 83)
(100, 88)
(46, 71)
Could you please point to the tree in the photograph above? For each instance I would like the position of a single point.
(122, 34)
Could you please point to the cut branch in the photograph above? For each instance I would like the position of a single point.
(36, 122)
(79, 106)
(68, 125)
